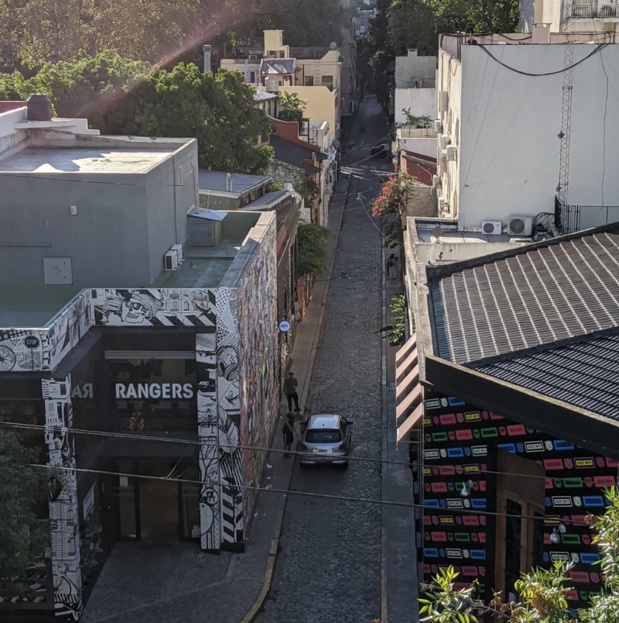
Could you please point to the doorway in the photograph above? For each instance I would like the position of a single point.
(158, 503)
(520, 525)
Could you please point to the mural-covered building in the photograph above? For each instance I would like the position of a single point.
(507, 393)
(138, 339)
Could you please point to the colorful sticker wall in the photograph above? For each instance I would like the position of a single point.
(460, 444)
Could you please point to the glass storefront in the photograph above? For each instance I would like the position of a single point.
(154, 395)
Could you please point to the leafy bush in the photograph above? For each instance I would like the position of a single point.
(312, 244)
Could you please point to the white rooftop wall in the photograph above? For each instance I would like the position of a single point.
(508, 158)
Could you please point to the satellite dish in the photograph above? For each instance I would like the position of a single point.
(333, 45)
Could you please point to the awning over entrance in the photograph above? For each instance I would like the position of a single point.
(408, 392)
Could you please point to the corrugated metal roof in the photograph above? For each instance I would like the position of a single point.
(540, 294)
(583, 373)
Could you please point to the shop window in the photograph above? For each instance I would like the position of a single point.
(154, 395)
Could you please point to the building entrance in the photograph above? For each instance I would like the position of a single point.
(158, 503)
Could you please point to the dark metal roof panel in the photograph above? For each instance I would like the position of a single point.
(542, 295)
(583, 373)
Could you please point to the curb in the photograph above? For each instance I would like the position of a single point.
(384, 590)
(255, 609)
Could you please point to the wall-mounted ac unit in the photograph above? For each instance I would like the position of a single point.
(445, 141)
(491, 227)
(436, 181)
(519, 225)
(170, 260)
(438, 126)
(178, 249)
(443, 101)
(452, 153)
(252, 57)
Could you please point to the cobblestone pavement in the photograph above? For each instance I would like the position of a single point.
(329, 565)
(180, 568)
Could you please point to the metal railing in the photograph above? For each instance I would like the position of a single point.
(591, 10)
(577, 217)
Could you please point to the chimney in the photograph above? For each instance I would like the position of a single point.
(206, 51)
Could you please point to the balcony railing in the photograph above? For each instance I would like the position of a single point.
(590, 10)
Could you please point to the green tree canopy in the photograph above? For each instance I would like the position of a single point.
(217, 109)
(312, 243)
(122, 96)
(23, 537)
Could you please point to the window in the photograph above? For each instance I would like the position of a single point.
(252, 77)
(323, 436)
(309, 81)
(327, 81)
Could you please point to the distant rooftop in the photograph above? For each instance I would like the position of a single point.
(239, 182)
(83, 160)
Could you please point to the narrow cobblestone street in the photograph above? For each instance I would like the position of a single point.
(329, 564)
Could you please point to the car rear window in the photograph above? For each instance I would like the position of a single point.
(323, 436)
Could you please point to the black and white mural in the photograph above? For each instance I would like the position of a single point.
(153, 307)
(63, 502)
(208, 435)
(229, 412)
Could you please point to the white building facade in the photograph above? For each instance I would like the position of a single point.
(499, 120)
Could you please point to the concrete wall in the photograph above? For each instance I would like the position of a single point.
(505, 126)
(412, 68)
(418, 102)
(321, 105)
(106, 239)
(328, 65)
(124, 223)
(172, 189)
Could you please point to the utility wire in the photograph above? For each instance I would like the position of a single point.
(192, 442)
(547, 73)
(342, 498)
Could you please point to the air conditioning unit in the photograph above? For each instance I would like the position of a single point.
(491, 227)
(437, 125)
(443, 101)
(519, 225)
(170, 260)
(445, 141)
(178, 249)
(252, 57)
(436, 181)
(452, 153)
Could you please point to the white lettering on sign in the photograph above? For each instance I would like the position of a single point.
(154, 391)
(82, 391)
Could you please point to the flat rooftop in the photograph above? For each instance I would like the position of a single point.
(30, 306)
(83, 160)
(220, 181)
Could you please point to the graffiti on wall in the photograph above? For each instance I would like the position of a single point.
(258, 357)
(31, 350)
(228, 416)
(153, 307)
(208, 435)
(63, 504)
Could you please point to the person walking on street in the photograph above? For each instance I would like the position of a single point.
(390, 265)
(288, 432)
(290, 387)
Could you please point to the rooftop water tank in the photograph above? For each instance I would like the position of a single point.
(39, 108)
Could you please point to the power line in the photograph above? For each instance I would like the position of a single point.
(547, 73)
(191, 442)
(311, 494)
